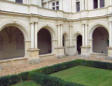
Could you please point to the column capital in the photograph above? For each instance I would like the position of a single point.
(33, 22)
(59, 25)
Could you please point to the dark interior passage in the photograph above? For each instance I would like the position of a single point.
(44, 41)
(100, 40)
(79, 43)
(11, 43)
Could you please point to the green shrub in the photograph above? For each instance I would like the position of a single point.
(96, 64)
(13, 79)
(24, 76)
(9, 80)
(57, 67)
(46, 80)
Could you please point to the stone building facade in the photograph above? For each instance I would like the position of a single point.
(35, 28)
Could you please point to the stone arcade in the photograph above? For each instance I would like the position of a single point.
(34, 29)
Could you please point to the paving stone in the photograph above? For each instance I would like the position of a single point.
(15, 67)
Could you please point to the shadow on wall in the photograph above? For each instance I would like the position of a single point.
(11, 43)
(100, 40)
(44, 41)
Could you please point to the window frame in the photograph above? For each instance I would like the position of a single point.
(55, 6)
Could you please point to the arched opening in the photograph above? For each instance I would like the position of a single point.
(100, 40)
(44, 41)
(64, 43)
(79, 43)
(11, 43)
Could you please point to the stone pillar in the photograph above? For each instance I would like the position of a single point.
(75, 45)
(98, 3)
(33, 52)
(27, 46)
(61, 4)
(82, 3)
(36, 36)
(86, 4)
(85, 50)
(90, 44)
(54, 43)
(59, 48)
(110, 40)
(32, 34)
(71, 46)
(33, 56)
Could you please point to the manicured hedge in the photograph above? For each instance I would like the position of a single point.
(41, 75)
(58, 67)
(13, 79)
(46, 80)
(96, 64)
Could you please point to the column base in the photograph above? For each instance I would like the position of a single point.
(60, 52)
(110, 52)
(33, 56)
(71, 51)
(85, 51)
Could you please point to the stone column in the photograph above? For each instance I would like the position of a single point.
(27, 46)
(36, 36)
(61, 4)
(90, 44)
(82, 3)
(59, 49)
(110, 40)
(86, 5)
(32, 34)
(71, 46)
(98, 3)
(54, 43)
(85, 50)
(33, 52)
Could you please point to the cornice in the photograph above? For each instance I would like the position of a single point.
(52, 18)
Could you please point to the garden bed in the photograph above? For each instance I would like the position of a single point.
(87, 76)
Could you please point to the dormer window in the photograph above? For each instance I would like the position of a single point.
(55, 5)
(19, 1)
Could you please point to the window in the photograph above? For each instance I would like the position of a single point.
(19, 1)
(53, 8)
(78, 6)
(98, 3)
(95, 4)
(55, 5)
(57, 8)
(102, 3)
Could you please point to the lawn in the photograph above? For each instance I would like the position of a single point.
(87, 76)
(26, 83)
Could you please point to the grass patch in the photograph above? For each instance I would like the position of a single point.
(26, 83)
(87, 76)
